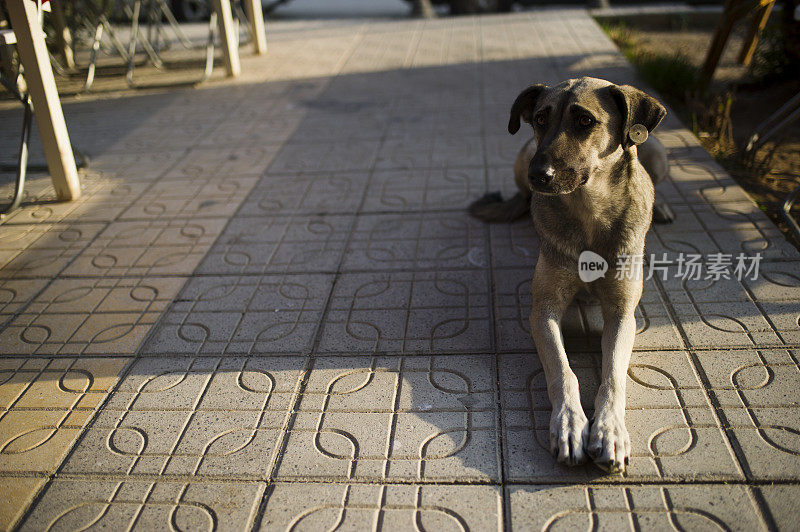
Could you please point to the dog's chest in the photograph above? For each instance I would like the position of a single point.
(561, 231)
(569, 233)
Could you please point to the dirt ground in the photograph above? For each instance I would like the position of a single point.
(753, 102)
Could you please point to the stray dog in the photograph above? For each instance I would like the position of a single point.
(583, 179)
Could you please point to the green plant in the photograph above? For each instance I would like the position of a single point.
(711, 122)
(620, 33)
(671, 75)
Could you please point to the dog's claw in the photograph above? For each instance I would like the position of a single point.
(569, 430)
(613, 466)
(609, 443)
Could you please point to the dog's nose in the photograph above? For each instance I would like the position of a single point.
(541, 172)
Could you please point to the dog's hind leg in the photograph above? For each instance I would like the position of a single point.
(653, 156)
(493, 209)
(662, 213)
(552, 289)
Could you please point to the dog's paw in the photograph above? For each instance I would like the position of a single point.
(609, 444)
(569, 430)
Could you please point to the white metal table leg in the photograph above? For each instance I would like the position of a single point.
(44, 94)
(256, 18)
(228, 36)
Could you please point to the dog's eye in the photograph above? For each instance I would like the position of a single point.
(541, 119)
(586, 120)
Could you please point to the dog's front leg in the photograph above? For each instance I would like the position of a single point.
(552, 289)
(609, 443)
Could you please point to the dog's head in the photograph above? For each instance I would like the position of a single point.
(581, 126)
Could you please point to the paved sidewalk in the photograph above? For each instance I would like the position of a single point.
(270, 310)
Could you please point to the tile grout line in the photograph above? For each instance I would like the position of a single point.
(412, 354)
(505, 505)
(557, 481)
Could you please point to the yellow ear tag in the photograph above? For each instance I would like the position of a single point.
(638, 133)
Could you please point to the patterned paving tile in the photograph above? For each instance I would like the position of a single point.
(325, 157)
(424, 121)
(739, 324)
(252, 129)
(731, 216)
(786, 319)
(133, 167)
(156, 137)
(193, 197)
(335, 119)
(423, 189)
(582, 323)
(502, 148)
(90, 316)
(18, 493)
(210, 417)
(276, 244)
(674, 434)
(42, 250)
(776, 282)
(392, 507)
(20, 237)
(700, 180)
(633, 508)
(756, 392)
(252, 314)
(223, 164)
(758, 310)
(768, 242)
(440, 152)
(390, 418)
(171, 247)
(422, 312)
(16, 294)
(44, 404)
(514, 245)
(102, 199)
(701, 290)
(76, 504)
(324, 193)
(780, 501)
(423, 241)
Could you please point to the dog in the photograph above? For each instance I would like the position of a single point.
(587, 178)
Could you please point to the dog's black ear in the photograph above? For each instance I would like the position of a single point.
(640, 112)
(523, 106)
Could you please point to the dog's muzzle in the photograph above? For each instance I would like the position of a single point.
(553, 179)
(541, 177)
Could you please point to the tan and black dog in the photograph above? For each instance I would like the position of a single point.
(584, 182)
